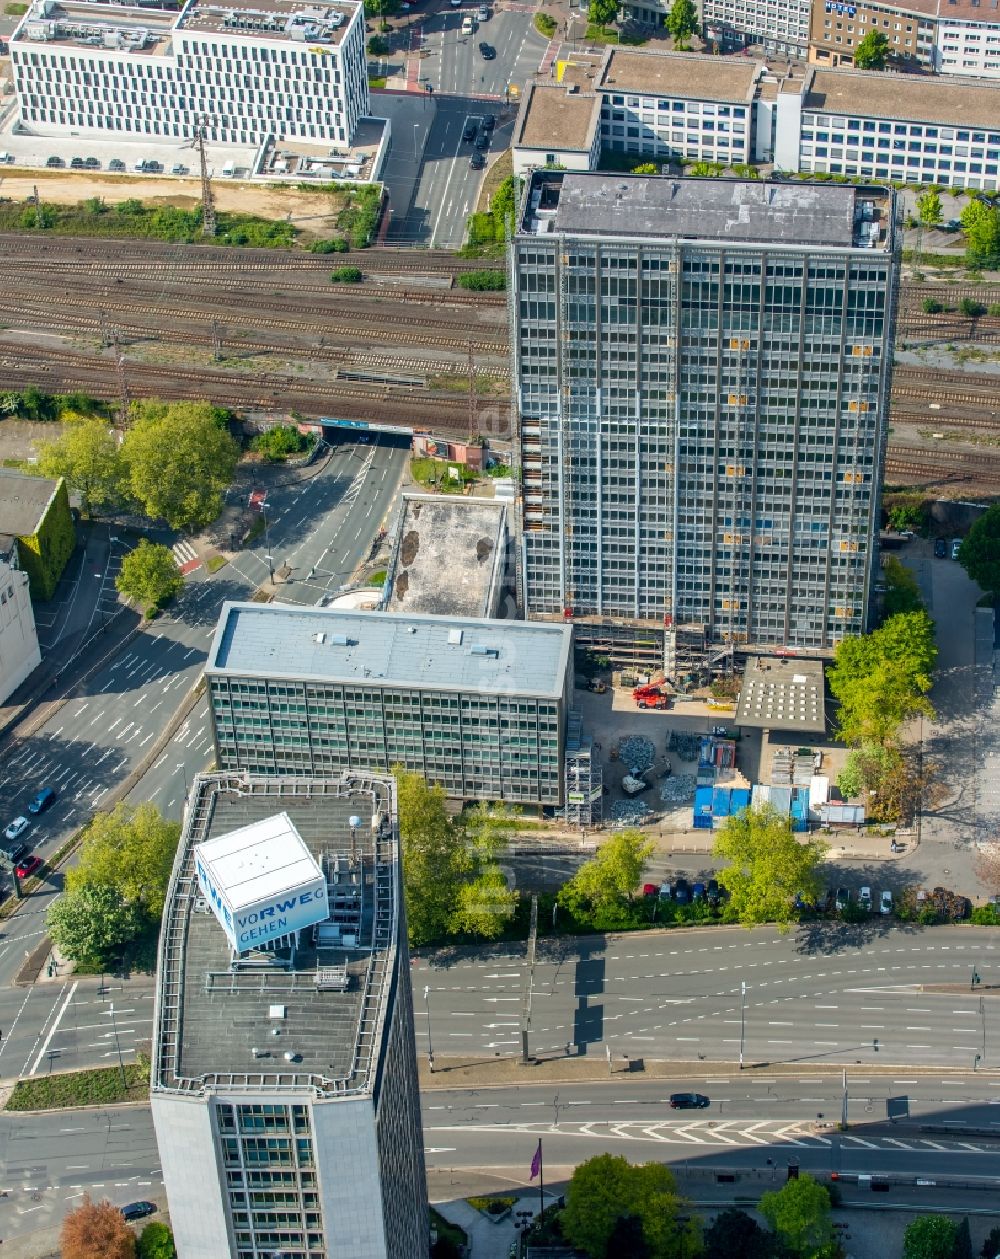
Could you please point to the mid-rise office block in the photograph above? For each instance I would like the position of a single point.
(772, 25)
(478, 706)
(19, 651)
(702, 372)
(275, 70)
(284, 1082)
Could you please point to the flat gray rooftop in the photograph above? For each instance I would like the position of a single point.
(707, 209)
(687, 75)
(780, 693)
(390, 649)
(947, 98)
(23, 500)
(449, 554)
(211, 1017)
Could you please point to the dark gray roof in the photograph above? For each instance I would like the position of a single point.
(23, 502)
(210, 1019)
(708, 209)
(389, 649)
(782, 693)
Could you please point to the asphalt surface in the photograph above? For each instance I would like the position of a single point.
(323, 526)
(824, 993)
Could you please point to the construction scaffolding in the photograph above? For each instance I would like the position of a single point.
(584, 779)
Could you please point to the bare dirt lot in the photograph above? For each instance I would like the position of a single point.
(313, 213)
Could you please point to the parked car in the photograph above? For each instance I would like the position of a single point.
(76, 163)
(713, 892)
(719, 731)
(956, 546)
(885, 902)
(682, 891)
(843, 899)
(953, 225)
(27, 866)
(138, 1210)
(16, 828)
(865, 898)
(178, 169)
(116, 164)
(666, 891)
(42, 801)
(649, 889)
(483, 13)
(940, 548)
(487, 52)
(91, 163)
(698, 892)
(689, 1101)
(54, 161)
(477, 161)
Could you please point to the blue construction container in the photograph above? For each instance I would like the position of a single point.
(739, 799)
(720, 802)
(800, 809)
(703, 809)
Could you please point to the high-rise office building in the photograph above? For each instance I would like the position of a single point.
(284, 1080)
(702, 371)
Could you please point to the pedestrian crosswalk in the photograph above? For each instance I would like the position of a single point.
(186, 556)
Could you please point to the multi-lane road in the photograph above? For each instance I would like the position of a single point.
(319, 529)
(826, 993)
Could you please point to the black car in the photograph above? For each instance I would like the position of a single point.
(489, 122)
(76, 163)
(54, 161)
(477, 161)
(682, 892)
(487, 52)
(940, 548)
(138, 1210)
(469, 130)
(713, 893)
(91, 163)
(483, 140)
(689, 1101)
(116, 163)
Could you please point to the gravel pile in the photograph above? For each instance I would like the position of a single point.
(629, 812)
(677, 790)
(637, 753)
(687, 746)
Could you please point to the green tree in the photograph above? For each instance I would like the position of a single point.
(131, 850)
(902, 594)
(87, 456)
(962, 1247)
(767, 866)
(92, 922)
(979, 554)
(627, 1240)
(929, 208)
(929, 1237)
(156, 1242)
(603, 12)
(734, 1233)
(180, 457)
(981, 224)
(991, 1246)
(799, 1213)
(484, 904)
(872, 52)
(149, 575)
(881, 679)
(613, 874)
(435, 857)
(605, 1188)
(682, 21)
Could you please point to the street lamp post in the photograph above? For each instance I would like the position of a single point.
(430, 1047)
(114, 1025)
(743, 1019)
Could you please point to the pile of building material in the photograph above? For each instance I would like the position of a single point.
(632, 786)
(678, 790)
(687, 746)
(637, 753)
(629, 812)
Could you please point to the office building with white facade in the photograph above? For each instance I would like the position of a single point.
(284, 1078)
(477, 706)
(19, 651)
(771, 25)
(273, 69)
(702, 373)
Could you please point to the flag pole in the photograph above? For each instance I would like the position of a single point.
(541, 1178)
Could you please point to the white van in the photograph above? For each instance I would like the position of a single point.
(229, 169)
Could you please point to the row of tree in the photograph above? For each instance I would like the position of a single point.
(114, 894)
(173, 462)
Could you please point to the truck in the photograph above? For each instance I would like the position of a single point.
(650, 697)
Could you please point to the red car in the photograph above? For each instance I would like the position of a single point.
(649, 889)
(27, 866)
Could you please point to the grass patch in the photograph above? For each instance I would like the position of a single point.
(15, 10)
(100, 1087)
(487, 281)
(215, 562)
(546, 25)
(434, 472)
(134, 220)
(445, 1228)
(377, 578)
(597, 34)
(255, 530)
(377, 80)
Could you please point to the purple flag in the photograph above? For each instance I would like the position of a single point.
(536, 1162)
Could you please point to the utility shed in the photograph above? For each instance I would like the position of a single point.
(782, 694)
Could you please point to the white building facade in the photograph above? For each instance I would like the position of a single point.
(277, 70)
(19, 652)
(966, 47)
(774, 26)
